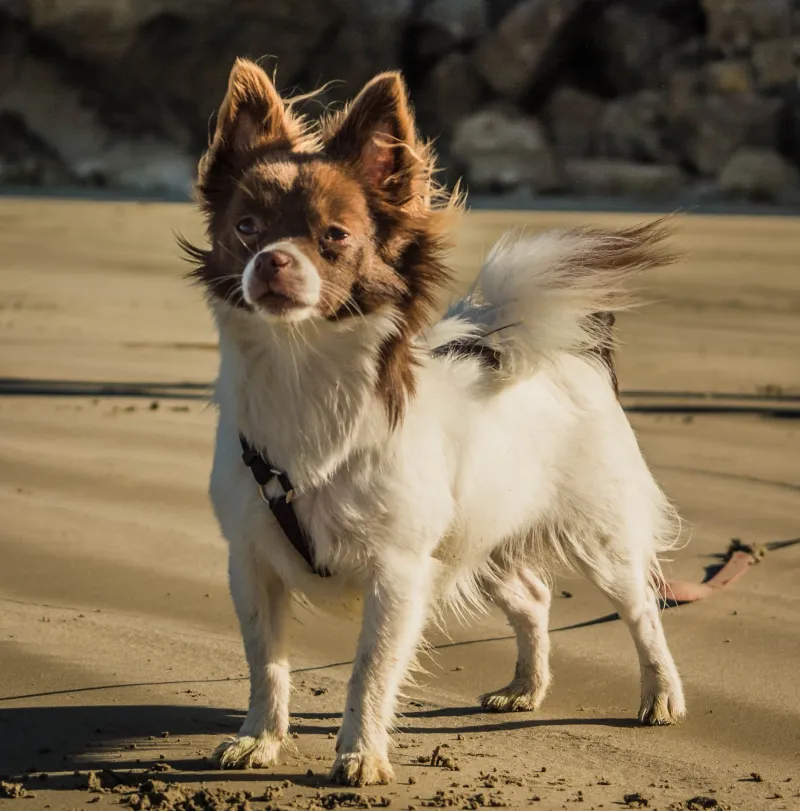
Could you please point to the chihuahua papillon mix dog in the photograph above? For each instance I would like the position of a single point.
(423, 464)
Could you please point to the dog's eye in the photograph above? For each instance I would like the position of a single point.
(336, 234)
(247, 226)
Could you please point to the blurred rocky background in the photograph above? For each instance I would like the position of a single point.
(644, 99)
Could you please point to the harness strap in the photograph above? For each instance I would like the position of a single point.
(264, 472)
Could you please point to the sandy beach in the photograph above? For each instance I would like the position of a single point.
(118, 644)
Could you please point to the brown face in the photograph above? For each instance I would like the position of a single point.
(327, 223)
(328, 226)
(301, 233)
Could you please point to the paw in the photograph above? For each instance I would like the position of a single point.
(361, 769)
(519, 696)
(662, 708)
(246, 752)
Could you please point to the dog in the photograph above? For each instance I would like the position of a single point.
(425, 463)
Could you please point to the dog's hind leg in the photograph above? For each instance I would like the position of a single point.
(626, 580)
(525, 600)
(396, 604)
(263, 606)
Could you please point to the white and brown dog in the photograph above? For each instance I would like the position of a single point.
(424, 464)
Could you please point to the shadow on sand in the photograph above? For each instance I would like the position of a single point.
(60, 740)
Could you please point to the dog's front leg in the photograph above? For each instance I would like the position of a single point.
(263, 606)
(395, 610)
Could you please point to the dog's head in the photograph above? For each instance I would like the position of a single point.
(323, 223)
(329, 222)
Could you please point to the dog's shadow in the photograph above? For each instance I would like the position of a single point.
(101, 736)
(59, 740)
(63, 743)
(483, 721)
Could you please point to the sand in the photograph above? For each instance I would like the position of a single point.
(118, 645)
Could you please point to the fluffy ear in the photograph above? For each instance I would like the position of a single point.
(252, 117)
(377, 135)
(252, 113)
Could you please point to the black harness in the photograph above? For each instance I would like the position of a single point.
(264, 472)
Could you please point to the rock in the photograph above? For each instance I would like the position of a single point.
(453, 91)
(638, 799)
(635, 128)
(573, 118)
(789, 137)
(97, 29)
(502, 151)
(497, 10)
(443, 27)
(630, 47)
(27, 160)
(458, 21)
(733, 25)
(14, 9)
(777, 61)
(14, 43)
(395, 11)
(711, 128)
(120, 93)
(513, 56)
(351, 49)
(13, 791)
(160, 67)
(729, 76)
(602, 177)
(688, 56)
(349, 74)
(54, 111)
(757, 174)
(683, 88)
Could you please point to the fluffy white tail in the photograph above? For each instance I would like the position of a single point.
(538, 296)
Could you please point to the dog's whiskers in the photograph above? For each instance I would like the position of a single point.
(342, 298)
(230, 252)
(246, 246)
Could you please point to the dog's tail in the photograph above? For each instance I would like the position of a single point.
(540, 296)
